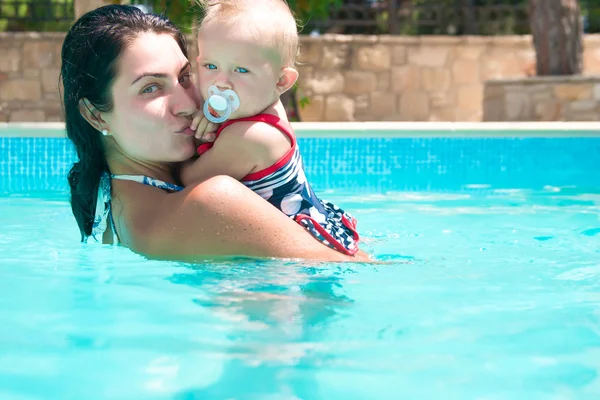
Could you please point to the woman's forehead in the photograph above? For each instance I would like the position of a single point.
(151, 53)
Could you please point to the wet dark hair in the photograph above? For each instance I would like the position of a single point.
(90, 53)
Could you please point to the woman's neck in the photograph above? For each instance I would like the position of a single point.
(121, 163)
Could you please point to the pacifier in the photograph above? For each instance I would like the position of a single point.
(220, 104)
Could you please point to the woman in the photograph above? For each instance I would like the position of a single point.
(129, 101)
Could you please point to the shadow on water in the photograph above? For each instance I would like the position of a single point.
(280, 313)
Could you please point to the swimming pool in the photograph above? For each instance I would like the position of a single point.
(491, 290)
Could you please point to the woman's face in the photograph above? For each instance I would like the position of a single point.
(154, 100)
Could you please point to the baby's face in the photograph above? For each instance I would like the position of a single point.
(237, 61)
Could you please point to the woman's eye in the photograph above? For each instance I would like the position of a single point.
(185, 78)
(241, 70)
(210, 66)
(150, 89)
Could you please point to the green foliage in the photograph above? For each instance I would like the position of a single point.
(591, 14)
(14, 16)
(449, 17)
(415, 16)
(309, 9)
(184, 13)
(304, 101)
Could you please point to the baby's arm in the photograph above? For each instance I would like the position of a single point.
(241, 148)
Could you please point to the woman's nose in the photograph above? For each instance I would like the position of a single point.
(184, 102)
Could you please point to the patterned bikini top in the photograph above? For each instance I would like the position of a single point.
(103, 214)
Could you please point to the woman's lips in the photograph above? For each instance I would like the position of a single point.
(187, 132)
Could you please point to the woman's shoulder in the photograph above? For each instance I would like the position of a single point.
(145, 215)
(209, 219)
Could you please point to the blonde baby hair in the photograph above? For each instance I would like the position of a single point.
(271, 21)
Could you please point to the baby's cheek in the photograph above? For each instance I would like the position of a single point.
(202, 82)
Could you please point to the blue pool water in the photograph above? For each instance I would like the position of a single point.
(490, 287)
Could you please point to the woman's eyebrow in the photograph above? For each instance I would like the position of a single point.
(159, 74)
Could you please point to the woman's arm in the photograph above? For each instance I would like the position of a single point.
(218, 217)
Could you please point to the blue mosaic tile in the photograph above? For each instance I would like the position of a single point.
(372, 165)
(34, 164)
(380, 164)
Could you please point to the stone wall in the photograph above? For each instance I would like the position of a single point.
(575, 98)
(29, 70)
(357, 78)
(395, 78)
(346, 78)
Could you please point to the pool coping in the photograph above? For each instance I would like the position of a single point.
(373, 129)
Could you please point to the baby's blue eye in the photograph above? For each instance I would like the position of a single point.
(241, 70)
(210, 66)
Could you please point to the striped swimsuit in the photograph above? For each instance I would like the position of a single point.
(284, 185)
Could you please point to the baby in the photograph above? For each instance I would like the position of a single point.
(247, 51)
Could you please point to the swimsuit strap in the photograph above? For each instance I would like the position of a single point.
(269, 119)
(103, 213)
(146, 180)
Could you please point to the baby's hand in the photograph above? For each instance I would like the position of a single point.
(205, 130)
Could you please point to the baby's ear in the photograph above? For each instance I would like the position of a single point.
(287, 79)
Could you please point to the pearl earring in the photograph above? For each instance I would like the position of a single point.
(104, 132)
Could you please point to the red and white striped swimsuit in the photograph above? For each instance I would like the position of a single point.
(284, 185)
